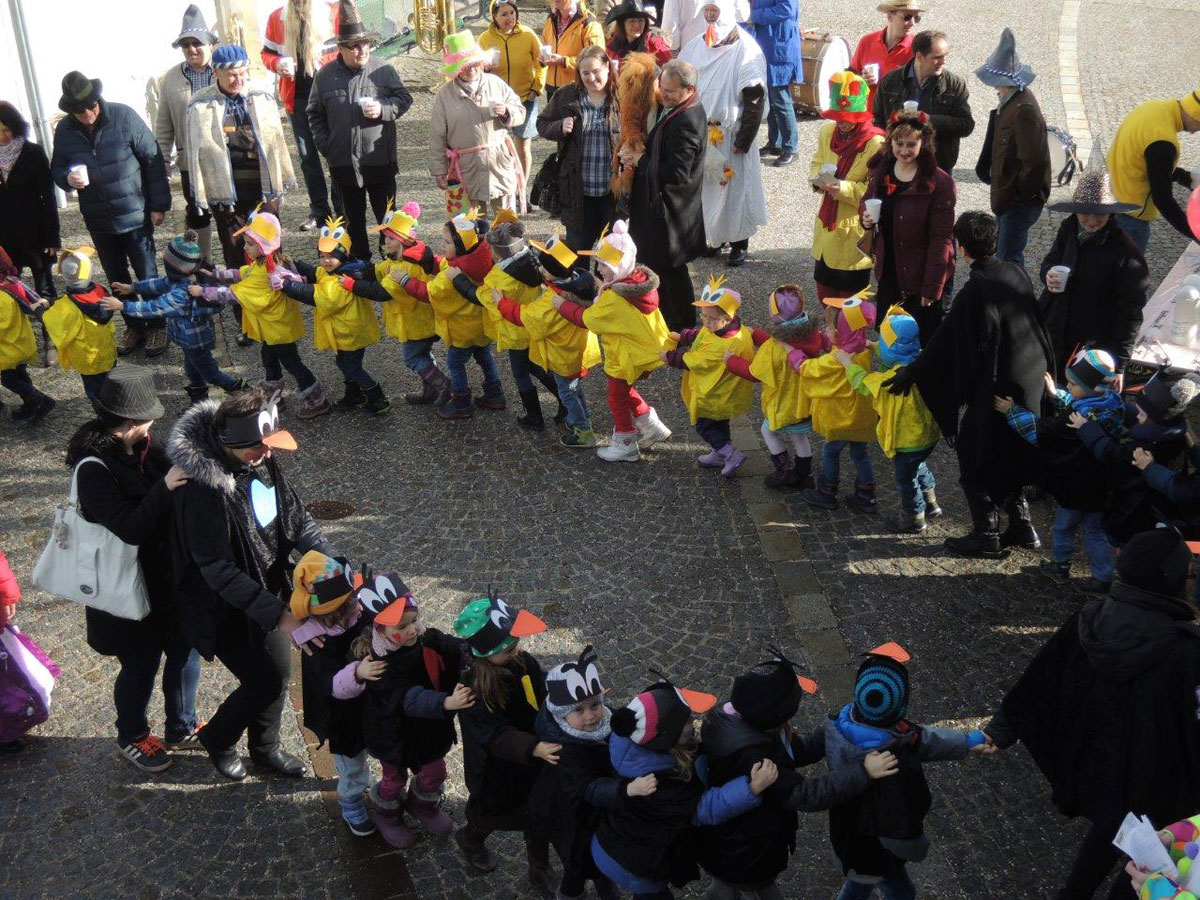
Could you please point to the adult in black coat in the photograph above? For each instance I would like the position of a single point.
(666, 220)
(1108, 708)
(125, 483)
(1101, 305)
(28, 210)
(991, 343)
(236, 523)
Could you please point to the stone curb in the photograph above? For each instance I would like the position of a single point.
(1069, 82)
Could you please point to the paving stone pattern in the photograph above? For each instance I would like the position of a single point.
(658, 563)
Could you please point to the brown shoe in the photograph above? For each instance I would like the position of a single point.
(130, 341)
(156, 342)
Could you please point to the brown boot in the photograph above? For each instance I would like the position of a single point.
(130, 341)
(156, 342)
(471, 843)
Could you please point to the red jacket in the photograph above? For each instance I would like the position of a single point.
(273, 50)
(654, 45)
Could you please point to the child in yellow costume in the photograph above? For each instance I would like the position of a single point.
(626, 317)
(404, 318)
(516, 275)
(342, 322)
(791, 338)
(840, 414)
(82, 330)
(459, 315)
(18, 347)
(906, 431)
(268, 316)
(712, 393)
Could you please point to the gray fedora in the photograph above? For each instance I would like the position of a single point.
(128, 392)
(1004, 68)
(195, 28)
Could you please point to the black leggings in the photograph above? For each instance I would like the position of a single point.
(1096, 858)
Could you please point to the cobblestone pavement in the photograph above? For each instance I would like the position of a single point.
(656, 564)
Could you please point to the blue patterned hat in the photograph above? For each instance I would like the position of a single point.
(881, 687)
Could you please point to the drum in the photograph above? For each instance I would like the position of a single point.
(823, 54)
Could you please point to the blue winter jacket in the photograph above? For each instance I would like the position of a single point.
(127, 178)
(777, 32)
(189, 320)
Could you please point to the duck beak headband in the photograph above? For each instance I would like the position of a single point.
(76, 265)
(715, 295)
(334, 238)
(399, 223)
(491, 626)
(464, 228)
(262, 427)
(556, 248)
(321, 584)
(385, 596)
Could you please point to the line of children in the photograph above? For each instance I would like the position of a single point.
(713, 394)
(189, 319)
(82, 330)
(18, 346)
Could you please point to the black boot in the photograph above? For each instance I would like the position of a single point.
(541, 875)
(785, 475)
(430, 388)
(804, 471)
(471, 842)
(1020, 531)
(34, 408)
(984, 540)
(375, 403)
(547, 380)
(352, 399)
(533, 412)
(196, 393)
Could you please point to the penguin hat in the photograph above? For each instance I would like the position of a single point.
(881, 686)
(490, 626)
(385, 597)
(768, 695)
(655, 718)
(571, 684)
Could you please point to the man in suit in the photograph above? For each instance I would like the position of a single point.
(666, 219)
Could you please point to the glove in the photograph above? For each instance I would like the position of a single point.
(796, 358)
(347, 283)
(900, 383)
(975, 738)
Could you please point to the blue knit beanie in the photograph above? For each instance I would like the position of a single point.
(182, 253)
(230, 56)
(1091, 368)
(899, 339)
(881, 691)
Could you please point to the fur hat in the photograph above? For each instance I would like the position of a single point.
(491, 626)
(1157, 561)
(881, 686)
(769, 695)
(656, 717)
(385, 596)
(321, 584)
(1167, 395)
(899, 338)
(1091, 368)
(568, 685)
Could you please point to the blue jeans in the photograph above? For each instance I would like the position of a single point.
(201, 369)
(1137, 230)
(899, 887)
(310, 161)
(277, 357)
(92, 383)
(831, 462)
(354, 777)
(570, 392)
(1062, 550)
(350, 364)
(1014, 230)
(117, 253)
(913, 479)
(418, 355)
(781, 118)
(135, 684)
(456, 362)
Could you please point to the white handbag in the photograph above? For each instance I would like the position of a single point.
(87, 563)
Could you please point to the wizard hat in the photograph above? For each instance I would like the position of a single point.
(350, 25)
(194, 28)
(385, 597)
(1004, 68)
(490, 626)
(1093, 192)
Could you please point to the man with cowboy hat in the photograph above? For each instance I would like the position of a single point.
(352, 110)
(178, 85)
(1143, 161)
(1020, 172)
(105, 152)
(880, 52)
(1099, 302)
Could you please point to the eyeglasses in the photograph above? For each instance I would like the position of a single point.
(912, 17)
(190, 45)
(361, 46)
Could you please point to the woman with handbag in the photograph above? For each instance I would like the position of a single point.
(124, 481)
(583, 119)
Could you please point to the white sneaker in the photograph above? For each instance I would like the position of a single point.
(651, 429)
(622, 448)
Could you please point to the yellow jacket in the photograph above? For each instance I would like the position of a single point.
(84, 345)
(341, 321)
(17, 344)
(709, 389)
(631, 339)
(509, 335)
(555, 344)
(404, 317)
(838, 248)
(268, 315)
(905, 422)
(1152, 121)
(519, 64)
(839, 413)
(459, 322)
(783, 400)
(584, 31)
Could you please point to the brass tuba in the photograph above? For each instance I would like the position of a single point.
(432, 21)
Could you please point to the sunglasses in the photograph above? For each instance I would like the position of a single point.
(190, 45)
(910, 17)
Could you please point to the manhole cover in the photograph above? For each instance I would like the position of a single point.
(329, 509)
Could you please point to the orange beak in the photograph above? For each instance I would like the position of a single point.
(807, 684)
(697, 701)
(527, 624)
(280, 440)
(892, 650)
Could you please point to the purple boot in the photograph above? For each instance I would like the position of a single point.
(733, 458)
(389, 820)
(427, 810)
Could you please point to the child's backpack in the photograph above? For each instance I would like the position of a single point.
(26, 679)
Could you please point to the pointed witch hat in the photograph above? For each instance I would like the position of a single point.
(1093, 192)
(350, 28)
(1004, 68)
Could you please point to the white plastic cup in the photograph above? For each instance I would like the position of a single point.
(546, 50)
(873, 209)
(1061, 274)
(287, 66)
(363, 101)
(871, 69)
(911, 106)
(829, 169)
(80, 171)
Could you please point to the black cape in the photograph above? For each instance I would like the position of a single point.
(327, 717)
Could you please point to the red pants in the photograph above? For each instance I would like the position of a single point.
(624, 403)
(429, 779)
